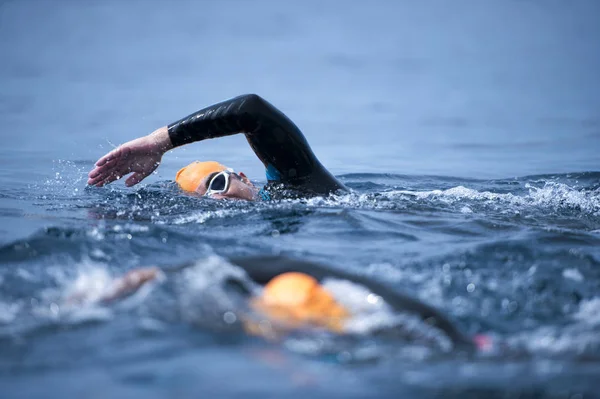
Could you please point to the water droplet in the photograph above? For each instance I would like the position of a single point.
(229, 317)
(275, 233)
(470, 287)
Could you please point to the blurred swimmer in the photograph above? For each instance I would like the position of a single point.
(275, 139)
(293, 297)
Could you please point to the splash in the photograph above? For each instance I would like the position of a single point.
(589, 312)
(90, 286)
(552, 196)
(559, 199)
(203, 216)
(204, 295)
(371, 314)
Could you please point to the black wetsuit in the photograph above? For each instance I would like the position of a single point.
(275, 139)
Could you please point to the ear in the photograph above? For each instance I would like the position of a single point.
(244, 178)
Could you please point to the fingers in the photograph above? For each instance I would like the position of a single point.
(108, 157)
(119, 153)
(135, 179)
(92, 181)
(104, 180)
(99, 170)
(110, 167)
(105, 167)
(106, 174)
(131, 282)
(129, 157)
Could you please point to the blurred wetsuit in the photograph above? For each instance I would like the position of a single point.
(261, 269)
(275, 139)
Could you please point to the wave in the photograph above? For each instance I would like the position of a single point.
(151, 212)
(551, 196)
(579, 338)
(592, 176)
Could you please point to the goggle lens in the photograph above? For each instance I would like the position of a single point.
(218, 183)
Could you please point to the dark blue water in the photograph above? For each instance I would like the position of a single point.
(468, 132)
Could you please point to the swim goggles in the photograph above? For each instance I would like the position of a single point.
(219, 183)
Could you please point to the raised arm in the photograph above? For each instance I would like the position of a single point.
(275, 139)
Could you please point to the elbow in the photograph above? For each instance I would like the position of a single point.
(254, 103)
(253, 110)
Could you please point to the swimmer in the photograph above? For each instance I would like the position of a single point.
(275, 139)
(293, 297)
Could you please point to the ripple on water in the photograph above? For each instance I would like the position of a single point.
(517, 259)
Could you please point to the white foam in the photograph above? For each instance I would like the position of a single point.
(90, 286)
(579, 337)
(573, 274)
(204, 216)
(552, 195)
(370, 313)
(203, 296)
(589, 311)
(430, 284)
(77, 299)
(210, 271)
(8, 312)
(551, 340)
(130, 228)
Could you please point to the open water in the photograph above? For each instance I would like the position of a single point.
(468, 132)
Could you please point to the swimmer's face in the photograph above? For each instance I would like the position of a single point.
(238, 186)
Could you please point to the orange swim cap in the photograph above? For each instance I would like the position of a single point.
(297, 299)
(190, 177)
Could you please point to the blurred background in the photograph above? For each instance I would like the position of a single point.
(464, 88)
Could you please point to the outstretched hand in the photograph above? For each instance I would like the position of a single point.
(140, 157)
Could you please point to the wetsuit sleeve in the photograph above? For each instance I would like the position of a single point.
(275, 139)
